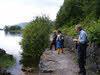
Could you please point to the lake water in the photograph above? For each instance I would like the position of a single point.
(10, 43)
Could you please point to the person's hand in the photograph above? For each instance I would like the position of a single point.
(75, 40)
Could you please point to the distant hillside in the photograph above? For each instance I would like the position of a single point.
(22, 25)
(1, 29)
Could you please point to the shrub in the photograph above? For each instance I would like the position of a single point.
(94, 35)
(35, 40)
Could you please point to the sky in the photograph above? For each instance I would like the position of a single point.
(18, 11)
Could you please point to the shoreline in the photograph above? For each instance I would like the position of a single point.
(6, 61)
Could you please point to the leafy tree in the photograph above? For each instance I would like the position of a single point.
(94, 34)
(12, 28)
(6, 28)
(35, 40)
(98, 9)
(70, 11)
(74, 11)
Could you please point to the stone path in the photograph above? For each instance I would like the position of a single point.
(61, 64)
(66, 64)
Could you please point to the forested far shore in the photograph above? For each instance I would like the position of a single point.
(15, 28)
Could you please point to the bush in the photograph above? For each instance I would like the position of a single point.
(94, 34)
(35, 40)
(6, 61)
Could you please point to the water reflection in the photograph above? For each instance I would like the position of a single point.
(13, 33)
(10, 43)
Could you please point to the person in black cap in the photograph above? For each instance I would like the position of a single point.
(54, 40)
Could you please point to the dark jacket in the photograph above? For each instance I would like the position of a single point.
(54, 38)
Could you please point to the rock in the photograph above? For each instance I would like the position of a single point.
(27, 69)
(50, 61)
(2, 52)
(68, 43)
(93, 54)
(4, 72)
(93, 58)
(47, 62)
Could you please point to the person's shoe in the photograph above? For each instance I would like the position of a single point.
(81, 73)
(58, 53)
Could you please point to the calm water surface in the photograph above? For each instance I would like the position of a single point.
(10, 43)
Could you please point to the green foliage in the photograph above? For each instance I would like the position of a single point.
(15, 28)
(6, 61)
(91, 27)
(86, 13)
(35, 40)
(70, 31)
(94, 33)
(12, 28)
(6, 28)
(74, 11)
(70, 13)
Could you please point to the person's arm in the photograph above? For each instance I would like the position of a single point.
(56, 38)
(76, 40)
(82, 40)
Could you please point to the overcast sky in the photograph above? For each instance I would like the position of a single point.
(17, 11)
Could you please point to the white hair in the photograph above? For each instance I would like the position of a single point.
(79, 27)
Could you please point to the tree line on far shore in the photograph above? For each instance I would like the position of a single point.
(12, 28)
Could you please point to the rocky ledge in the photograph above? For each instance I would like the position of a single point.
(4, 72)
(50, 61)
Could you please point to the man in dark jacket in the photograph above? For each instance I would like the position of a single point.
(82, 44)
(54, 40)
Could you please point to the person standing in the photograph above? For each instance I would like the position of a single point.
(60, 42)
(81, 46)
(54, 40)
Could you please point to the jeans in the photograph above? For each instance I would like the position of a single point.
(82, 58)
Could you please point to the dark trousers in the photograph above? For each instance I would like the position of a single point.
(53, 43)
(82, 58)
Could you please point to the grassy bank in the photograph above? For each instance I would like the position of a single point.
(6, 61)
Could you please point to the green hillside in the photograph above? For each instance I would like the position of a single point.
(84, 12)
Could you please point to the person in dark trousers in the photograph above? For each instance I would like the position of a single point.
(60, 42)
(54, 40)
(81, 46)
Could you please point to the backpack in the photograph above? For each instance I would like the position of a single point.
(61, 38)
